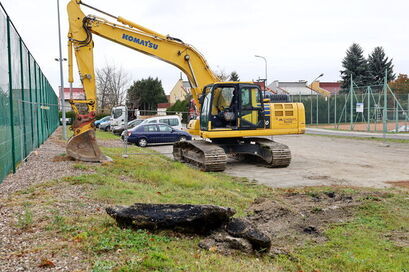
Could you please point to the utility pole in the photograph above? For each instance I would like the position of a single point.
(64, 121)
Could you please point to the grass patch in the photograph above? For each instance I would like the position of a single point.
(105, 135)
(25, 219)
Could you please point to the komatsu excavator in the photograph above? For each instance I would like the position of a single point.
(234, 116)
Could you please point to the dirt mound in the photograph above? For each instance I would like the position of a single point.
(296, 219)
(291, 220)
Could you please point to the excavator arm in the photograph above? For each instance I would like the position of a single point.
(82, 145)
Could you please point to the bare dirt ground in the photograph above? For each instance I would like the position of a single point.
(328, 161)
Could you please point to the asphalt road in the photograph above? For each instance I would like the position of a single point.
(328, 161)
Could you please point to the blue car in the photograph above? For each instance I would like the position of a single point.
(102, 120)
(156, 133)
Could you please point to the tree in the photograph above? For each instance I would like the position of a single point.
(180, 107)
(378, 62)
(222, 75)
(356, 65)
(234, 76)
(146, 94)
(111, 87)
(400, 85)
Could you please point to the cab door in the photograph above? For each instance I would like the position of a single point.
(251, 108)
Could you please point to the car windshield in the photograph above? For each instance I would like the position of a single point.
(134, 123)
(117, 113)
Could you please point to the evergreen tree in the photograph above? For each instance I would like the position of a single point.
(234, 76)
(377, 63)
(145, 94)
(356, 65)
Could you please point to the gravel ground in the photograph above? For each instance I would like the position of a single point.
(25, 213)
(45, 163)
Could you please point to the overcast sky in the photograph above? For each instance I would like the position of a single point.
(300, 39)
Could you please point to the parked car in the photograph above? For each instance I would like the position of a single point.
(105, 125)
(131, 124)
(103, 119)
(143, 135)
(172, 120)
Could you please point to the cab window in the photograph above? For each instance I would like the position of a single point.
(117, 113)
(222, 99)
(152, 122)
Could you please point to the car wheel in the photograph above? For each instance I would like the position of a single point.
(182, 139)
(142, 142)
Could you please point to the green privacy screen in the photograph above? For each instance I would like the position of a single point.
(28, 103)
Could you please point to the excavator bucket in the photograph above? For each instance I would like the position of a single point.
(84, 148)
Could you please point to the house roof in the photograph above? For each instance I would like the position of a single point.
(291, 87)
(186, 85)
(77, 93)
(332, 87)
(163, 105)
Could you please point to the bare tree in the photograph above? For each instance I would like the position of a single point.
(221, 74)
(111, 87)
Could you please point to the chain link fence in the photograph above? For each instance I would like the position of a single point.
(364, 113)
(28, 103)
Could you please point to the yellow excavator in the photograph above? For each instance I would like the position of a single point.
(234, 117)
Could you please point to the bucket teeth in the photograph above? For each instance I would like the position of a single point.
(84, 147)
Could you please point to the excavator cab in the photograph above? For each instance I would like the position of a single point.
(231, 106)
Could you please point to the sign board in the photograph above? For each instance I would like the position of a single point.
(44, 107)
(359, 107)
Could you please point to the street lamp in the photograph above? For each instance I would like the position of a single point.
(317, 77)
(60, 59)
(265, 61)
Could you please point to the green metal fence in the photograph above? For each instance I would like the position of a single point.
(28, 103)
(372, 108)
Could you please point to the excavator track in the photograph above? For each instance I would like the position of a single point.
(272, 154)
(281, 154)
(206, 156)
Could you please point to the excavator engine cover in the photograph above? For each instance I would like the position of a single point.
(84, 147)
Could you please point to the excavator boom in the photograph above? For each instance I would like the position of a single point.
(232, 114)
(82, 145)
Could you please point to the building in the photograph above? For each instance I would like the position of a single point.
(332, 87)
(180, 91)
(162, 107)
(301, 88)
(291, 88)
(77, 93)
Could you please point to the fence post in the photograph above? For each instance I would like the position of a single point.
(396, 117)
(24, 136)
(328, 110)
(317, 109)
(335, 111)
(13, 149)
(351, 94)
(369, 107)
(37, 83)
(311, 109)
(30, 87)
(385, 105)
